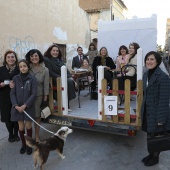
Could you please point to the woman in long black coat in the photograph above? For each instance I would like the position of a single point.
(155, 110)
(7, 72)
(53, 61)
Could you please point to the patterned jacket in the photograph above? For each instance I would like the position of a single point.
(156, 100)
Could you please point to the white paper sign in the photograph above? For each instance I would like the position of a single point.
(110, 105)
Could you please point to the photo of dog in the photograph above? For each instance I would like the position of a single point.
(42, 149)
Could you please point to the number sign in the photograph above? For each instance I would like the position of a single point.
(110, 105)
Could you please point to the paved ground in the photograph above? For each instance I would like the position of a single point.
(84, 150)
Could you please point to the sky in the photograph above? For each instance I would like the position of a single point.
(145, 9)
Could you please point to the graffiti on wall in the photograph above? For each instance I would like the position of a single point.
(21, 47)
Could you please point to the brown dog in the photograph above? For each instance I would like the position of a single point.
(42, 149)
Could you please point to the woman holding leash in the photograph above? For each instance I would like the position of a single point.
(23, 96)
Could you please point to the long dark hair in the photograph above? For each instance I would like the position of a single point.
(48, 52)
(9, 52)
(122, 47)
(33, 51)
(136, 47)
(92, 44)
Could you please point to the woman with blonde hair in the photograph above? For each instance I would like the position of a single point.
(104, 60)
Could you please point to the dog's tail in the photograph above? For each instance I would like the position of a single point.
(31, 142)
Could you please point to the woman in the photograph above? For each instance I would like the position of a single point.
(104, 60)
(155, 110)
(92, 53)
(23, 96)
(7, 72)
(53, 61)
(41, 73)
(130, 70)
(123, 57)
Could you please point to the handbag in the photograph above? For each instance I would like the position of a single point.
(45, 112)
(158, 143)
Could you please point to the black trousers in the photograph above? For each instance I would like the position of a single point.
(12, 127)
(154, 154)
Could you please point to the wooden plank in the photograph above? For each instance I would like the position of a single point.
(115, 93)
(127, 102)
(139, 101)
(51, 100)
(104, 92)
(59, 97)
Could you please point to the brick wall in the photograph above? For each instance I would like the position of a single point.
(94, 5)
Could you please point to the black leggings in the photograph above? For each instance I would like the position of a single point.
(12, 127)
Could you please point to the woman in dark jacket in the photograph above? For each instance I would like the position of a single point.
(7, 72)
(155, 110)
(53, 61)
(104, 60)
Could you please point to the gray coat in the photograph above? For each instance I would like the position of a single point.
(24, 92)
(42, 77)
(156, 100)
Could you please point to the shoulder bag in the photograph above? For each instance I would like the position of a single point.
(45, 112)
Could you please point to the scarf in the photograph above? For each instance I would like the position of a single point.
(11, 69)
(103, 61)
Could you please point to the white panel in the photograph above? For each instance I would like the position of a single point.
(64, 92)
(100, 77)
(113, 34)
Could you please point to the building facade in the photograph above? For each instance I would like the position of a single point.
(37, 24)
(104, 10)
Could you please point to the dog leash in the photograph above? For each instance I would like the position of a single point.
(37, 123)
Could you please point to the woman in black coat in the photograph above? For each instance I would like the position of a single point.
(53, 61)
(155, 110)
(104, 60)
(7, 72)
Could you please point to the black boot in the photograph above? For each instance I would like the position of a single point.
(16, 128)
(11, 138)
(16, 138)
(147, 158)
(152, 161)
(9, 126)
(23, 149)
(29, 150)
